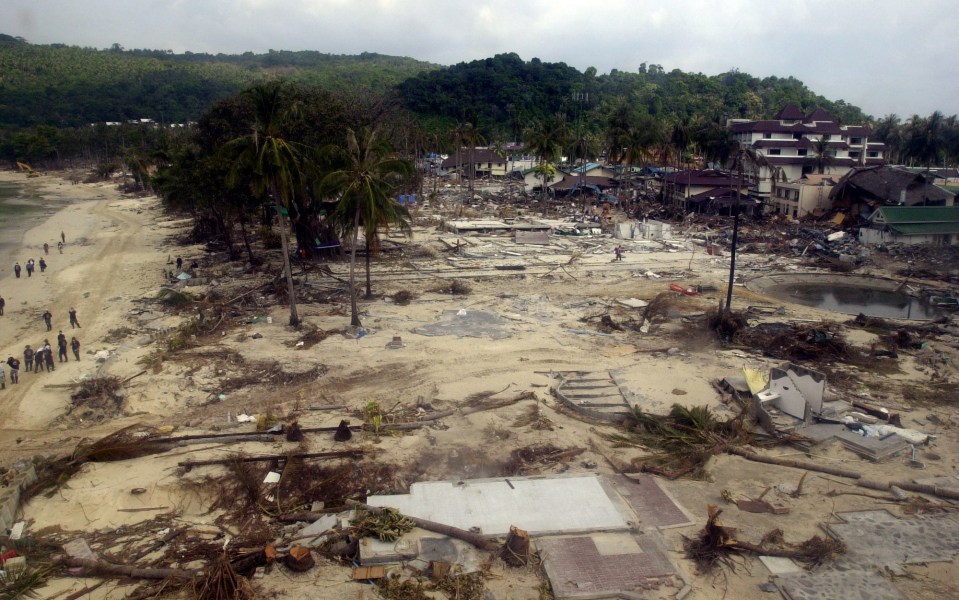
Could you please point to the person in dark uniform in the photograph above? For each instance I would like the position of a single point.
(73, 319)
(75, 346)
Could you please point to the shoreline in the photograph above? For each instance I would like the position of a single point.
(100, 238)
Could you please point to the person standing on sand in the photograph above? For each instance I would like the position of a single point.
(16, 270)
(63, 237)
(62, 349)
(3, 378)
(14, 365)
(75, 346)
(46, 248)
(48, 358)
(30, 267)
(2, 304)
(28, 358)
(47, 319)
(60, 247)
(73, 319)
(43, 265)
(179, 264)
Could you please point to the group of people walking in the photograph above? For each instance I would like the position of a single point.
(32, 265)
(39, 359)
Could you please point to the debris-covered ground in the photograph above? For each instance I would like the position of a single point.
(204, 449)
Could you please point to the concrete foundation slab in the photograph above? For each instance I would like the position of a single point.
(650, 502)
(877, 539)
(467, 323)
(837, 585)
(779, 565)
(609, 565)
(554, 505)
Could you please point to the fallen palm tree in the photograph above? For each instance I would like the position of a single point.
(130, 442)
(681, 442)
(716, 544)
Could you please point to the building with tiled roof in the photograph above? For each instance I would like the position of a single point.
(863, 189)
(699, 189)
(789, 142)
(484, 161)
(936, 225)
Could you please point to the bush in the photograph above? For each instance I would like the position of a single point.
(270, 237)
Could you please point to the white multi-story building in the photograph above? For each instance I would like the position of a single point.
(794, 144)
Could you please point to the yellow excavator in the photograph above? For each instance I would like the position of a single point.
(25, 168)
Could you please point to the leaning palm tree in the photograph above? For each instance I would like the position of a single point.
(273, 164)
(364, 176)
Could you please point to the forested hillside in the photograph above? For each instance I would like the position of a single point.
(68, 86)
(501, 94)
(50, 93)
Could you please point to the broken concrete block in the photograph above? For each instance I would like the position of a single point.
(79, 548)
(319, 526)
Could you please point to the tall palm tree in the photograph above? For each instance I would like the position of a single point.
(472, 138)
(545, 139)
(364, 176)
(273, 164)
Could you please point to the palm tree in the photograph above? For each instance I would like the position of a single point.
(822, 156)
(472, 138)
(364, 177)
(545, 139)
(273, 164)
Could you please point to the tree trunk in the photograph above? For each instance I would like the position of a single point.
(287, 269)
(103, 567)
(354, 311)
(246, 240)
(369, 282)
(227, 234)
(461, 534)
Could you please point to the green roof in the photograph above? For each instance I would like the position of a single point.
(901, 215)
(920, 220)
(924, 228)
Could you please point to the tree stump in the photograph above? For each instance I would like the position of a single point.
(299, 559)
(515, 551)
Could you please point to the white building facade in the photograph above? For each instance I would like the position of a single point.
(795, 144)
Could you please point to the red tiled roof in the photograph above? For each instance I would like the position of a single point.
(790, 112)
(819, 115)
(858, 130)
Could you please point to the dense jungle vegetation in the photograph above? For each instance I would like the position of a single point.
(55, 101)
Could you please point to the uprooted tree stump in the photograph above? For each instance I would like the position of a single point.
(222, 582)
(716, 543)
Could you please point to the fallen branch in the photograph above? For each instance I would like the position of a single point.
(461, 534)
(931, 490)
(468, 410)
(189, 464)
(102, 567)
